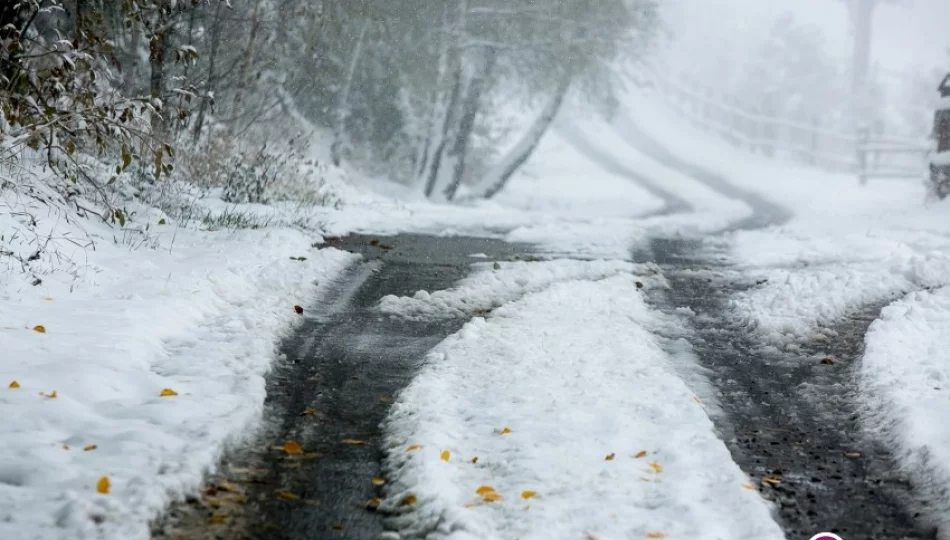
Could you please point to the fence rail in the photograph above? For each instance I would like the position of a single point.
(809, 141)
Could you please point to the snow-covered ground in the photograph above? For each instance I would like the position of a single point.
(124, 381)
(558, 415)
(91, 448)
(905, 379)
(563, 353)
(847, 247)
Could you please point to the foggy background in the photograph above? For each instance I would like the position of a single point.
(907, 33)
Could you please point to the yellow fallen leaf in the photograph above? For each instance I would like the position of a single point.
(641, 454)
(378, 481)
(655, 535)
(65, 447)
(168, 392)
(657, 468)
(506, 431)
(472, 504)
(484, 489)
(51, 395)
(89, 448)
(286, 495)
(385, 399)
(610, 457)
(528, 494)
(339, 526)
(309, 412)
(229, 487)
(474, 460)
(354, 442)
(772, 480)
(14, 385)
(313, 455)
(750, 487)
(217, 519)
(292, 448)
(413, 448)
(491, 497)
(374, 503)
(103, 485)
(408, 500)
(445, 455)
(39, 329)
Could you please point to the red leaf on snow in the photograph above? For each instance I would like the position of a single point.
(298, 310)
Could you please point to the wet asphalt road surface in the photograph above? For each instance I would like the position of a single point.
(330, 393)
(790, 421)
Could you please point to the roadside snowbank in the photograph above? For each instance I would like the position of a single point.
(905, 378)
(603, 438)
(200, 318)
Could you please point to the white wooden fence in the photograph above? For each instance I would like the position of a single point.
(804, 140)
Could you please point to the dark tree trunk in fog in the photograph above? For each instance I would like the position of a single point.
(498, 177)
(458, 150)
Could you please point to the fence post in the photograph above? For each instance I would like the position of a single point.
(864, 137)
(940, 161)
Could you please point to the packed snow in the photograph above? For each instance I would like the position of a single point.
(905, 382)
(560, 416)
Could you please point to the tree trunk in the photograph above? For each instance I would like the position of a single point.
(156, 58)
(212, 60)
(451, 111)
(470, 107)
(343, 105)
(245, 69)
(497, 178)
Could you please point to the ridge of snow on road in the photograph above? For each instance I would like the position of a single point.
(605, 437)
(202, 321)
(905, 378)
(488, 289)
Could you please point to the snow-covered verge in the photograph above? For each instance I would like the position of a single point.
(126, 372)
(905, 378)
(559, 415)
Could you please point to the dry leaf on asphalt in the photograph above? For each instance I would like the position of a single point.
(355, 442)
(292, 448)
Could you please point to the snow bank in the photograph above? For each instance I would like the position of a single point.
(492, 286)
(905, 378)
(568, 410)
(199, 318)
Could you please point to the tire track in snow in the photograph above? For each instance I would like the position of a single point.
(340, 371)
(791, 422)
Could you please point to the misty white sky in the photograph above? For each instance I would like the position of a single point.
(908, 33)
